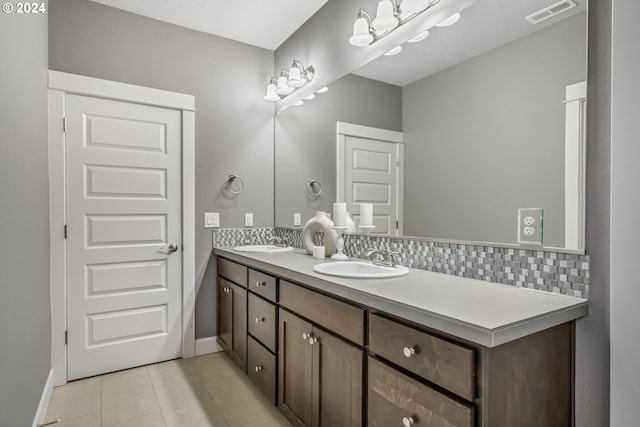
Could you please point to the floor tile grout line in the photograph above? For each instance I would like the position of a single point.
(155, 392)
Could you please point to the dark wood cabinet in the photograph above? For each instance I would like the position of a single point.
(321, 376)
(232, 321)
(261, 369)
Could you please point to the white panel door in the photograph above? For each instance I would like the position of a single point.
(370, 171)
(123, 186)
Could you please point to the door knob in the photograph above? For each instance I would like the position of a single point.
(171, 248)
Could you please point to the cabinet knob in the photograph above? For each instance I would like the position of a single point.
(312, 340)
(259, 368)
(305, 336)
(259, 284)
(259, 319)
(407, 421)
(408, 351)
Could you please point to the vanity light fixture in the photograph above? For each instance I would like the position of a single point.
(288, 81)
(390, 15)
(309, 97)
(323, 90)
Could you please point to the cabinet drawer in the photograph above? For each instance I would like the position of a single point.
(262, 284)
(444, 363)
(338, 317)
(262, 320)
(261, 368)
(394, 398)
(232, 271)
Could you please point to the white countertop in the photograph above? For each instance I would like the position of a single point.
(486, 313)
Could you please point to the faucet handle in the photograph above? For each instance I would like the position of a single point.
(392, 257)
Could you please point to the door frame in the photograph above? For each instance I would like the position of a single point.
(349, 129)
(61, 84)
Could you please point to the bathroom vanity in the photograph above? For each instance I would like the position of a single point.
(425, 349)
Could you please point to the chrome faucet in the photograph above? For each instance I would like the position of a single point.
(386, 258)
(278, 241)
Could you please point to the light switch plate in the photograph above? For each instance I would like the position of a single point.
(248, 220)
(211, 220)
(530, 226)
(297, 220)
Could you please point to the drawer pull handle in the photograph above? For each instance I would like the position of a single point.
(408, 352)
(305, 336)
(259, 284)
(407, 421)
(259, 368)
(259, 319)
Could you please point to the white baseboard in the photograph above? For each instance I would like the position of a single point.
(41, 413)
(207, 345)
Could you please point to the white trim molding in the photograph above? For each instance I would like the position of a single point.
(61, 84)
(43, 406)
(207, 345)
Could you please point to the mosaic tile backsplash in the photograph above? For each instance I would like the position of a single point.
(557, 272)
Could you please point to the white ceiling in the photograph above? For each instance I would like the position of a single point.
(262, 23)
(484, 25)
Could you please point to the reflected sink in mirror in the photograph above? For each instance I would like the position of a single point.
(359, 270)
(263, 248)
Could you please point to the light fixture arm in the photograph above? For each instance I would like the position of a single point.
(364, 14)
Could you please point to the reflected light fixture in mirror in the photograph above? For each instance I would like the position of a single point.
(390, 14)
(419, 37)
(449, 21)
(288, 81)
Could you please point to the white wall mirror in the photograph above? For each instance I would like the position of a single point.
(491, 118)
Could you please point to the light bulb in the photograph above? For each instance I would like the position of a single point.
(295, 79)
(385, 17)
(283, 88)
(449, 21)
(271, 92)
(361, 35)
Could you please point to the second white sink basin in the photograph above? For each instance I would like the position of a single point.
(263, 248)
(359, 270)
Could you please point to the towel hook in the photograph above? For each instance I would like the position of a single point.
(232, 178)
(312, 184)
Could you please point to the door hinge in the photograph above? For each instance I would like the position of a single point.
(397, 224)
(66, 337)
(65, 231)
(64, 124)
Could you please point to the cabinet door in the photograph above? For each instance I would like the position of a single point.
(295, 358)
(225, 312)
(337, 381)
(239, 326)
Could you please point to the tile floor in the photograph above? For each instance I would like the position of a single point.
(204, 391)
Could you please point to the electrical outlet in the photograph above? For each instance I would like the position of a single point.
(530, 222)
(297, 219)
(211, 220)
(248, 220)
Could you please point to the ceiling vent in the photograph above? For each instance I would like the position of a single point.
(551, 11)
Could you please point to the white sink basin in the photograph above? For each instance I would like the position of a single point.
(359, 270)
(263, 248)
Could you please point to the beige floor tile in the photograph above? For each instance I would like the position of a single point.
(93, 420)
(127, 395)
(215, 367)
(241, 403)
(201, 414)
(270, 422)
(75, 399)
(154, 420)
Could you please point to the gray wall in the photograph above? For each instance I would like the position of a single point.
(25, 321)
(625, 205)
(486, 136)
(592, 332)
(305, 139)
(234, 125)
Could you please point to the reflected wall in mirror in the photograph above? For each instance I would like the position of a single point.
(482, 137)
